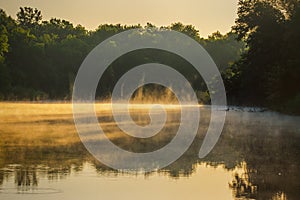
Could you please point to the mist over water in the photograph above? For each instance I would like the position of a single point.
(257, 156)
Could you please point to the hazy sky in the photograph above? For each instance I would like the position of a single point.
(206, 15)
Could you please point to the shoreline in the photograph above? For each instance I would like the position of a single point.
(228, 108)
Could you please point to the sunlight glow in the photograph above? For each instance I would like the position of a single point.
(206, 15)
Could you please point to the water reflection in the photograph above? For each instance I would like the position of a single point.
(242, 185)
(260, 152)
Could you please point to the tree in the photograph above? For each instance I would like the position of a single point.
(186, 29)
(4, 46)
(29, 17)
(271, 32)
(224, 49)
(3, 42)
(260, 25)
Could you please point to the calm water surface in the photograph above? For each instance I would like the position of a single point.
(41, 157)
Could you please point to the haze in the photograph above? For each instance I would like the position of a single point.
(207, 16)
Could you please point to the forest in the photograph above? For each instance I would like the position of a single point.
(259, 59)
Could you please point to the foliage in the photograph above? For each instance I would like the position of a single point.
(259, 59)
(40, 59)
(268, 74)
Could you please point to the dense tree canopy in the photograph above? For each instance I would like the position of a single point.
(268, 73)
(259, 59)
(40, 59)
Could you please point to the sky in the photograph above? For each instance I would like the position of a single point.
(207, 16)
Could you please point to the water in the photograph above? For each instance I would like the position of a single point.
(41, 157)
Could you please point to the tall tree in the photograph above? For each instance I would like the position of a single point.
(29, 17)
(4, 46)
(271, 32)
(260, 25)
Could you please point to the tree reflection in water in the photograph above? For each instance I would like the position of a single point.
(242, 186)
(264, 146)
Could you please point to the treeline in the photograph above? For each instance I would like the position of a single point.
(259, 58)
(40, 59)
(268, 73)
